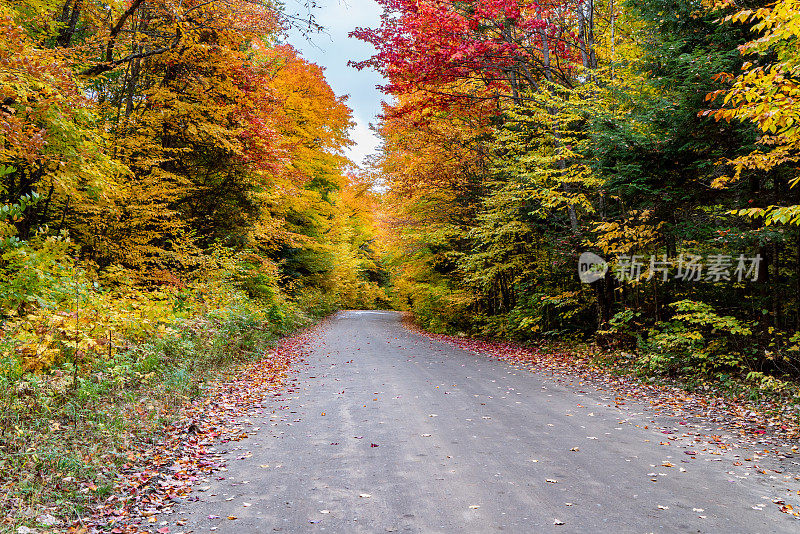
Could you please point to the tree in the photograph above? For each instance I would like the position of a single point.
(766, 93)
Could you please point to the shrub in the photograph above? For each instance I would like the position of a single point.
(696, 340)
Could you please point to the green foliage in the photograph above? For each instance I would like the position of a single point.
(37, 274)
(549, 314)
(623, 330)
(697, 340)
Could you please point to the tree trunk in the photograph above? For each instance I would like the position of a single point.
(589, 53)
(797, 280)
(68, 31)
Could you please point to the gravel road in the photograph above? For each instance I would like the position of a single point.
(386, 430)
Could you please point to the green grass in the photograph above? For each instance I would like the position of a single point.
(57, 435)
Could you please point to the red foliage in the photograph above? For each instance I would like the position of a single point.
(478, 48)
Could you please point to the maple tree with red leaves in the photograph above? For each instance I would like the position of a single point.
(472, 50)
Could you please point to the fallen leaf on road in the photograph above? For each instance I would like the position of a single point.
(47, 519)
(365, 495)
(662, 507)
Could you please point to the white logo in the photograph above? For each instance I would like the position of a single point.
(591, 267)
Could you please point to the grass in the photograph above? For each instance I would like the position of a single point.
(63, 440)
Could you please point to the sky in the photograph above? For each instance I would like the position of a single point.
(332, 49)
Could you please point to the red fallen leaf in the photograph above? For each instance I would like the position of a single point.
(373, 444)
(163, 530)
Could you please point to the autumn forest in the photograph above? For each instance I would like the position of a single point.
(175, 197)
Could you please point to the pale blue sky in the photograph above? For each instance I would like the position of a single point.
(333, 49)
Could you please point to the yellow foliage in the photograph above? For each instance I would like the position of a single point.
(632, 234)
(767, 92)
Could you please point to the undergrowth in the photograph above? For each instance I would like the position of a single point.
(93, 367)
(63, 439)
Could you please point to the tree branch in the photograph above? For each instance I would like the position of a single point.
(107, 66)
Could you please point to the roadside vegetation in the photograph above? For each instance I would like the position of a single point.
(81, 391)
